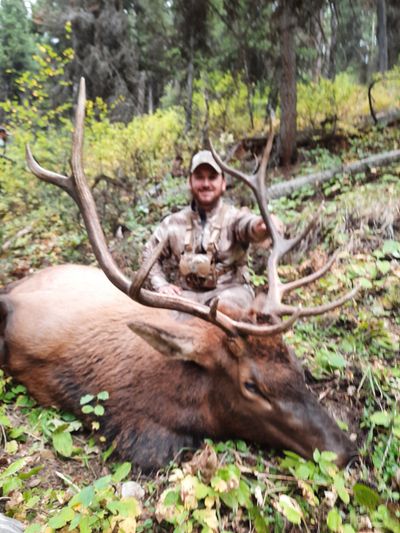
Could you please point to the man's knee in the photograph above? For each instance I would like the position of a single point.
(240, 297)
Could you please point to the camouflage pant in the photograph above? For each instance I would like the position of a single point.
(237, 295)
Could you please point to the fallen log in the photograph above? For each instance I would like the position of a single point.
(288, 187)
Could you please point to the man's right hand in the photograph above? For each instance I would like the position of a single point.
(170, 290)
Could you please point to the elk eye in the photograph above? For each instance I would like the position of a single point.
(252, 387)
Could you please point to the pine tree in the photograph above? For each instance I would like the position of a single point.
(104, 49)
(17, 44)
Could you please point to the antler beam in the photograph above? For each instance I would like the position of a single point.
(76, 186)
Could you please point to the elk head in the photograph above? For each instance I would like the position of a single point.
(246, 353)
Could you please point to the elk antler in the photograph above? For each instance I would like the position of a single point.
(76, 186)
(270, 304)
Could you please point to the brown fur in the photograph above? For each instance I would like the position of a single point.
(5, 311)
(171, 382)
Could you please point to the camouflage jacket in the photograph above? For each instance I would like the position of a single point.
(231, 247)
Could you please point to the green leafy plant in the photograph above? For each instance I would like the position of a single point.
(92, 405)
(97, 507)
(97, 409)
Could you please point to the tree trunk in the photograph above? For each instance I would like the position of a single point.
(249, 96)
(318, 42)
(189, 93)
(381, 32)
(141, 92)
(392, 20)
(150, 99)
(333, 41)
(288, 93)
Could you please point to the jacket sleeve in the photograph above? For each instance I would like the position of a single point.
(156, 276)
(243, 226)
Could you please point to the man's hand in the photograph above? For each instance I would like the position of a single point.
(261, 231)
(170, 290)
(280, 226)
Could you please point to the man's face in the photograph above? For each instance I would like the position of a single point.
(207, 186)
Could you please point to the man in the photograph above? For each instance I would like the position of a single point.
(3, 139)
(205, 255)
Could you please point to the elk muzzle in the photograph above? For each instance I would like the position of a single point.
(309, 427)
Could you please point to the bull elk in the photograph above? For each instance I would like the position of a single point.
(173, 378)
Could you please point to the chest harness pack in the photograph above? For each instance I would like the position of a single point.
(200, 269)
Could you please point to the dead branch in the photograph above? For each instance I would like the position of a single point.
(2, 156)
(24, 231)
(374, 115)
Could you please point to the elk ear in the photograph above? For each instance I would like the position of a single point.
(167, 342)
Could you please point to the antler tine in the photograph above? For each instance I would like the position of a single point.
(256, 163)
(280, 245)
(86, 202)
(292, 243)
(64, 182)
(257, 184)
(255, 181)
(141, 275)
(76, 186)
(213, 309)
(258, 330)
(261, 196)
(271, 303)
(249, 180)
(291, 285)
(320, 309)
(265, 158)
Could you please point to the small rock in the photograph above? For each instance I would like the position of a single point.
(397, 478)
(9, 525)
(259, 497)
(351, 390)
(131, 489)
(353, 437)
(330, 498)
(364, 523)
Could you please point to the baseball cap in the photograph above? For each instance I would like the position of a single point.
(204, 157)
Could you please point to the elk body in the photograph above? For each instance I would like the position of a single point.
(173, 378)
(65, 334)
